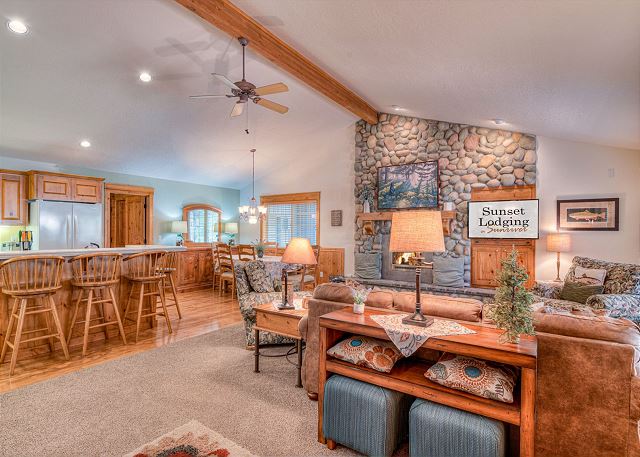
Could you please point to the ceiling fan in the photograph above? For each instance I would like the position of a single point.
(245, 91)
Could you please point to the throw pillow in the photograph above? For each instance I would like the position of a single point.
(242, 282)
(369, 352)
(258, 277)
(478, 377)
(368, 265)
(579, 292)
(589, 276)
(448, 271)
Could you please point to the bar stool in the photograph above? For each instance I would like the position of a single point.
(169, 267)
(36, 279)
(95, 276)
(143, 270)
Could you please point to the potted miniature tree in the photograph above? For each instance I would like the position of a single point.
(512, 312)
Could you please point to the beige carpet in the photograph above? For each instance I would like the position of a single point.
(114, 408)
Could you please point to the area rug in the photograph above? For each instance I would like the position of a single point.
(191, 440)
(114, 408)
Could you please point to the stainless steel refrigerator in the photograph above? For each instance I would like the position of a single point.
(65, 225)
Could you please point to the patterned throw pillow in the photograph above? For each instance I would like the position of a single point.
(485, 379)
(589, 276)
(369, 352)
(580, 291)
(242, 282)
(258, 276)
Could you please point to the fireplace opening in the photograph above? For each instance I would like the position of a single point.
(404, 260)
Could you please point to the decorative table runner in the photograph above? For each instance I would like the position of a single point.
(408, 338)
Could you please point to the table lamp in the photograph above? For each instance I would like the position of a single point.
(179, 227)
(558, 242)
(417, 231)
(297, 252)
(231, 229)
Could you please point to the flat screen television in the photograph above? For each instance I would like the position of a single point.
(512, 219)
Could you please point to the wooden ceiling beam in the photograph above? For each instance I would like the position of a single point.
(225, 16)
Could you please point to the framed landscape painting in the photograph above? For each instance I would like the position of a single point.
(589, 214)
(413, 185)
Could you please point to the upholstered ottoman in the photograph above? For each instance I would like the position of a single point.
(364, 417)
(440, 431)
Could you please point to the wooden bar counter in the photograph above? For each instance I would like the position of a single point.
(64, 301)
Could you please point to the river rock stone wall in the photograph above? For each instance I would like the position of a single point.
(468, 157)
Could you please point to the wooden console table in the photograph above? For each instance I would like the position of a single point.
(407, 375)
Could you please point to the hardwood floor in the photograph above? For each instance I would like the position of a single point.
(203, 311)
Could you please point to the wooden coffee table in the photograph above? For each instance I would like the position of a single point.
(281, 322)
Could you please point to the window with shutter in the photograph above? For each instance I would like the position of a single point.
(291, 216)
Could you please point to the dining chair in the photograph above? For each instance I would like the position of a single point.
(246, 252)
(216, 264)
(270, 247)
(225, 263)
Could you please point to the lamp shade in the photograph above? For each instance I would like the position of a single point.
(558, 242)
(179, 227)
(231, 228)
(299, 251)
(416, 231)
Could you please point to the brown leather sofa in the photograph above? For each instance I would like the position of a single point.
(587, 396)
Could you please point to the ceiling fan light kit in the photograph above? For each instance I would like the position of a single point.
(245, 91)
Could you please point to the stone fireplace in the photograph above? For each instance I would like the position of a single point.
(468, 158)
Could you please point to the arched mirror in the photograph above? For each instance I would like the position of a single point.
(204, 224)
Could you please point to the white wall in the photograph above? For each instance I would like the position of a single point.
(323, 163)
(577, 170)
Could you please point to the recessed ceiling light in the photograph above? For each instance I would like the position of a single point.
(145, 77)
(17, 26)
(397, 108)
(499, 121)
(85, 143)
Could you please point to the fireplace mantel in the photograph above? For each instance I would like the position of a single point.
(367, 219)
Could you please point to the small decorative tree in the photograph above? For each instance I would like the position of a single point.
(513, 312)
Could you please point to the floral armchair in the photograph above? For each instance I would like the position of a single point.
(248, 298)
(621, 297)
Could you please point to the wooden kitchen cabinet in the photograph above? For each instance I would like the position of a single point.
(63, 187)
(487, 254)
(13, 199)
(86, 190)
(195, 268)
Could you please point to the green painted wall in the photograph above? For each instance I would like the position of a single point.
(169, 197)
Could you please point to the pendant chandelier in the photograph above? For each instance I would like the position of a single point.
(252, 213)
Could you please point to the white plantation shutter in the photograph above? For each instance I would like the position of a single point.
(203, 226)
(291, 220)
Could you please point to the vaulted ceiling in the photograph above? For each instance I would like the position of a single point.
(567, 69)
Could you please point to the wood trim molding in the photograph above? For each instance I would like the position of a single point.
(110, 189)
(63, 175)
(300, 197)
(227, 17)
(187, 208)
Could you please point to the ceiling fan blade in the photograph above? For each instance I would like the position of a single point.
(207, 96)
(237, 110)
(271, 89)
(277, 107)
(225, 81)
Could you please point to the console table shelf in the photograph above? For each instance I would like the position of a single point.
(407, 375)
(369, 218)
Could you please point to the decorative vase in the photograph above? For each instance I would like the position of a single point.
(260, 254)
(365, 207)
(358, 308)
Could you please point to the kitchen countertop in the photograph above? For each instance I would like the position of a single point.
(4, 255)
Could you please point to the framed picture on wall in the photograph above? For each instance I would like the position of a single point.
(413, 185)
(589, 214)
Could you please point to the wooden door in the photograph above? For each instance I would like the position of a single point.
(13, 209)
(127, 220)
(86, 190)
